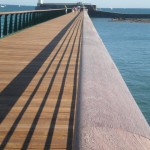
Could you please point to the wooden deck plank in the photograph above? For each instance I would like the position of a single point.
(38, 85)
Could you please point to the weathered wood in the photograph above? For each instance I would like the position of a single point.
(38, 85)
(108, 117)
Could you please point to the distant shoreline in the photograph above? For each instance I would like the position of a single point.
(131, 20)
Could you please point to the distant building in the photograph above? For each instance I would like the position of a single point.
(42, 5)
(40, 2)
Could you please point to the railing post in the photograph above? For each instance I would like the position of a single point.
(36, 18)
(20, 22)
(11, 23)
(24, 21)
(5, 26)
(30, 19)
(16, 23)
(44, 16)
(0, 27)
(27, 19)
(47, 16)
(41, 17)
(33, 18)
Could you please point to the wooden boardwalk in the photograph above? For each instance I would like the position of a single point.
(38, 83)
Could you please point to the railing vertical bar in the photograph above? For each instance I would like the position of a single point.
(40, 17)
(16, 23)
(11, 23)
(20, 22)
(0, 26)
(37, 18)
(5, 26)
(24, 21)
(30, 22)
(34, 18)
(27, 19)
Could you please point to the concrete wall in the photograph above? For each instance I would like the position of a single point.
(102, 14)
(107, 117)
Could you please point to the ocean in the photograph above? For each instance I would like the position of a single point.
(129, 46)
(9, 8)
(126, 10)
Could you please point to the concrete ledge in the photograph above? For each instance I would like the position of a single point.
(107, 115)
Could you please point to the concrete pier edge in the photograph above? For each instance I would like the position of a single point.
(107, 116)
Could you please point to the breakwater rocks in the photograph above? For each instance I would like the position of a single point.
(103, 14)
(131, 20)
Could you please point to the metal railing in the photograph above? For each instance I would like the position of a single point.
(11, 22)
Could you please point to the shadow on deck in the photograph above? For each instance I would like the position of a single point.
(16, 88)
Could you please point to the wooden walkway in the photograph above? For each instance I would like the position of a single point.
(38, 83)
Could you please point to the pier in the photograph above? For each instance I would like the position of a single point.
(60, 89)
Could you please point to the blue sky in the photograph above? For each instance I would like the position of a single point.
(99, 3)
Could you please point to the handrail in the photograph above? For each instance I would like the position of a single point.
(105, 14)
(28, 11)
(11, 22)
(107, 116)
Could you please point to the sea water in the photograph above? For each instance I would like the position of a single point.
(129, 46)
(127, 10)
(10, 8)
